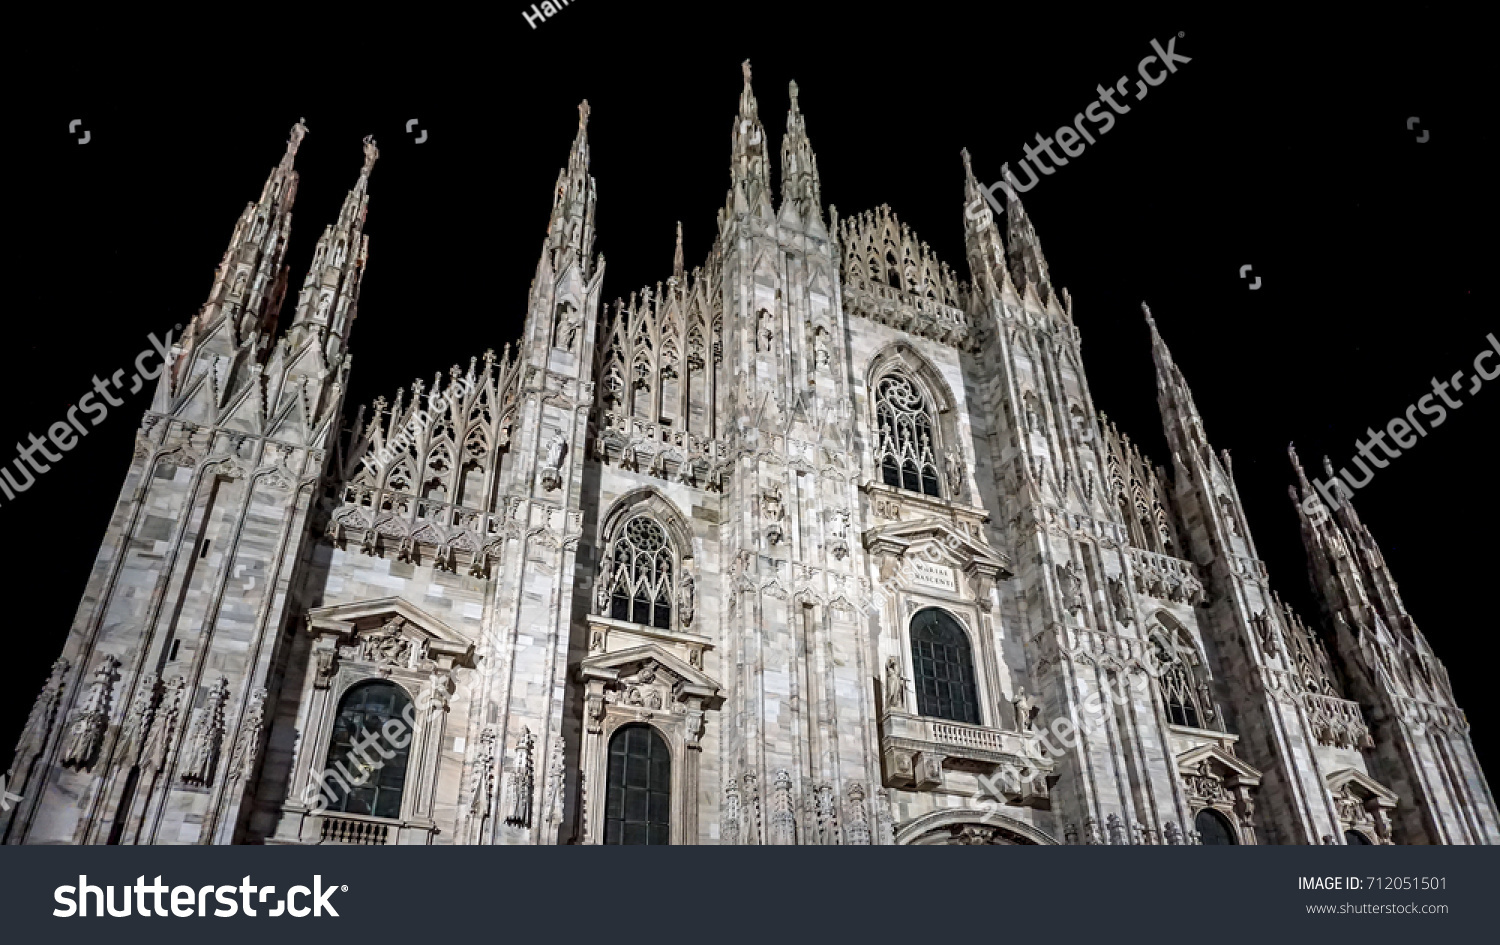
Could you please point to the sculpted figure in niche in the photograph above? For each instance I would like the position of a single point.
(895, 684)
(1026, 710)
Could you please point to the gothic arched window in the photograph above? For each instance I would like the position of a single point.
(1356, 839)
(640, 575)
(638, 795)
(366, 709)
(1184, 695)
(943, 664)
(1214, 829)
(906, 450)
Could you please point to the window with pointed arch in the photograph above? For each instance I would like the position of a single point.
(376, 790)
(638, 792)
(1185, 696)
(906, 450)
(641, 572)
(943, 664)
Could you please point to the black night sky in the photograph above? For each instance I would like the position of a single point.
(1283, 145)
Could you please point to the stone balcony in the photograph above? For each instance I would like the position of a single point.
(917, 751)
(1336, 723)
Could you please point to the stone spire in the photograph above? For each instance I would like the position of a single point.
(1179, 414)
(329, 299)
(749, 171)
(1028, 267)
(678, 267)
(986, 250)
(1347, 566)
(799, 166)
(251, 280)
(570, 233)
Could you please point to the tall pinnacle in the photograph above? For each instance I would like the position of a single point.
(799, 166)
(329, 299)
(570, 234)
(749, 173)
(677, 261)
(251, 280)
(986, 250)
(1028, 265)
(1179, 414)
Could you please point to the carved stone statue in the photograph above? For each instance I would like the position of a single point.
(557, 448)
(568, 323)
(1026, 710)
(770, 507)
(895, 684)
(87, 730)
(1121, 600)
(200, 755)
(520, 782)
(1072, 587)
(820, 347)
(685, 598)
(954, 470)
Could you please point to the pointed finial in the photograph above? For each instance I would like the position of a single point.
(677, 262)
(792, 87)
(1146, 309)
(583, 114)
(968, 168)
(371, 153)
(745, 66)
(299, 131)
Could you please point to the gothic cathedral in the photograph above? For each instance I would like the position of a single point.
(818, 542)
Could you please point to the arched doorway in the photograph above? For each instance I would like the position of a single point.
(1214, 829)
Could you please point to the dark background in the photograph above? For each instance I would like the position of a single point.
(1282, 145)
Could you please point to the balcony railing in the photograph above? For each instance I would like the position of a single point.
(367, 833)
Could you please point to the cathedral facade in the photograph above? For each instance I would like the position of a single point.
(819, 542)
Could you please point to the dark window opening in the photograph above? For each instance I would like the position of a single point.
(366, 709)
(1214, 829)
(638, 799)
(944, 668)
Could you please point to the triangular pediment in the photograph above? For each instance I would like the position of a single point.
(622, 664)
(965, 552)
(1190, 761)
(1343, 779)
(365, 617)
